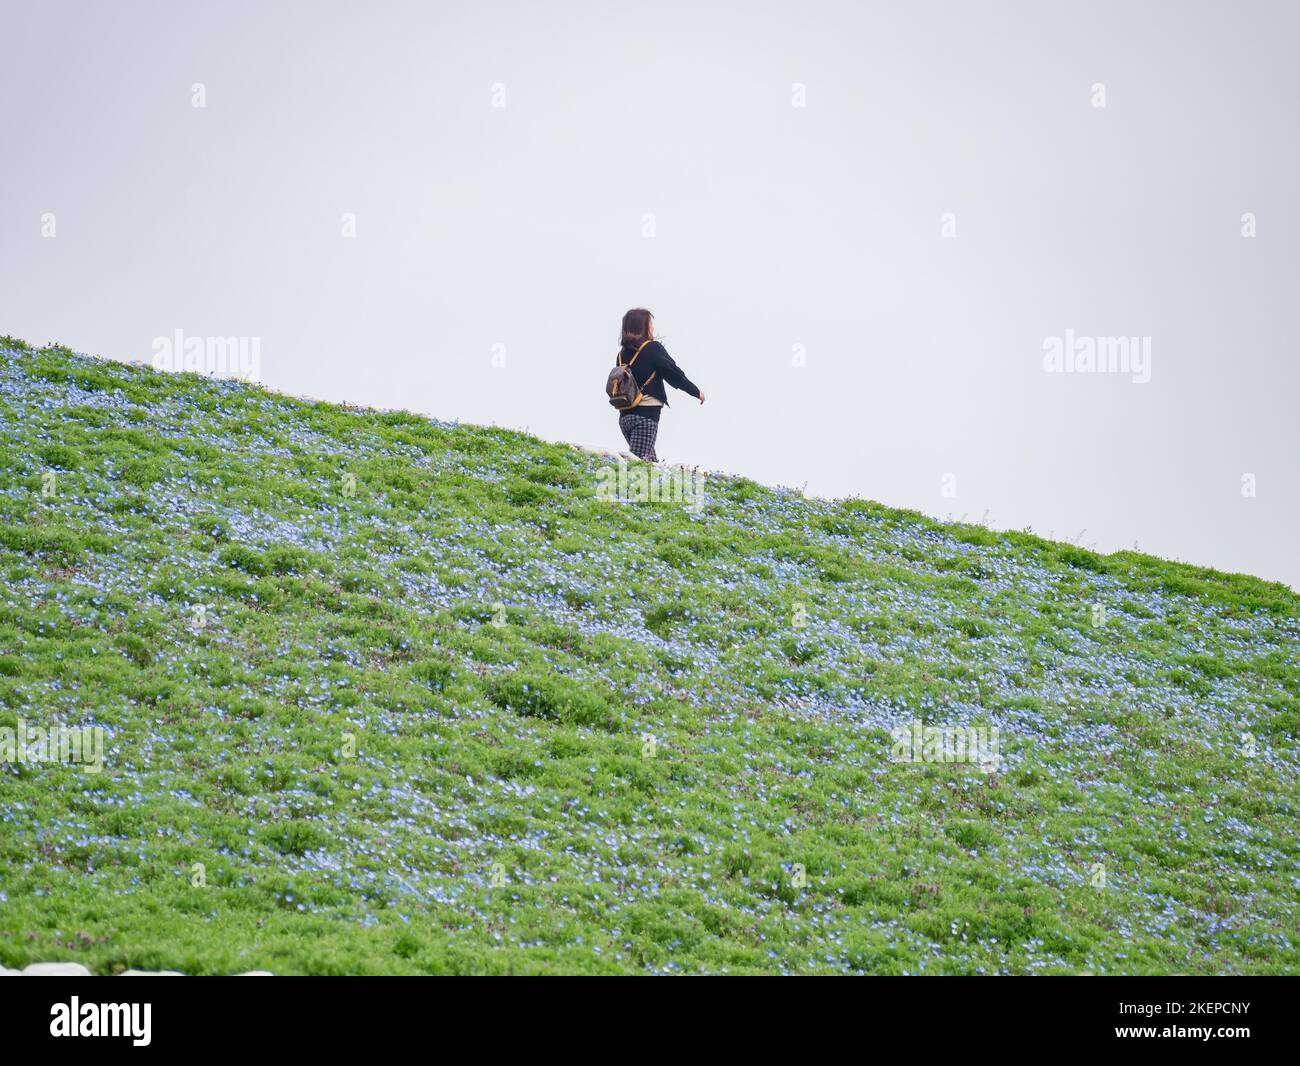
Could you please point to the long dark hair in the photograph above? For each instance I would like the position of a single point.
(636, 328)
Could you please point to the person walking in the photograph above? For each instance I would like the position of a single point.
(635, 386)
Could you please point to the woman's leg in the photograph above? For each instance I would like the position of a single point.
(640, 433)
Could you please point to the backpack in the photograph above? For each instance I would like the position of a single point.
(621, 386)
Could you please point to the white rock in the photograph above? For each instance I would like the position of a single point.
(56, 969)
(151, 973)
(257, 973)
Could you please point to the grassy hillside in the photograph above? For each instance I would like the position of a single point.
(387, 694)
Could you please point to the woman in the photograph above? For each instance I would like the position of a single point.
(653, 366)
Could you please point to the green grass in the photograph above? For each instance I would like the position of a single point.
(413, 698)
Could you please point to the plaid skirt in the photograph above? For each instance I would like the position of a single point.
(640, 433)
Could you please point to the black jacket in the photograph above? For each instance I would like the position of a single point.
(654, 359)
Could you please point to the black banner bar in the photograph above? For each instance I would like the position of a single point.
(1179, 1015)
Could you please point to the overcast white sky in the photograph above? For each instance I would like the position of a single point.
(774, 226)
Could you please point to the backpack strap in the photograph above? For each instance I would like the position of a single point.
(619, 357)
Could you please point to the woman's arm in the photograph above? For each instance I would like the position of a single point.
(672, 373)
